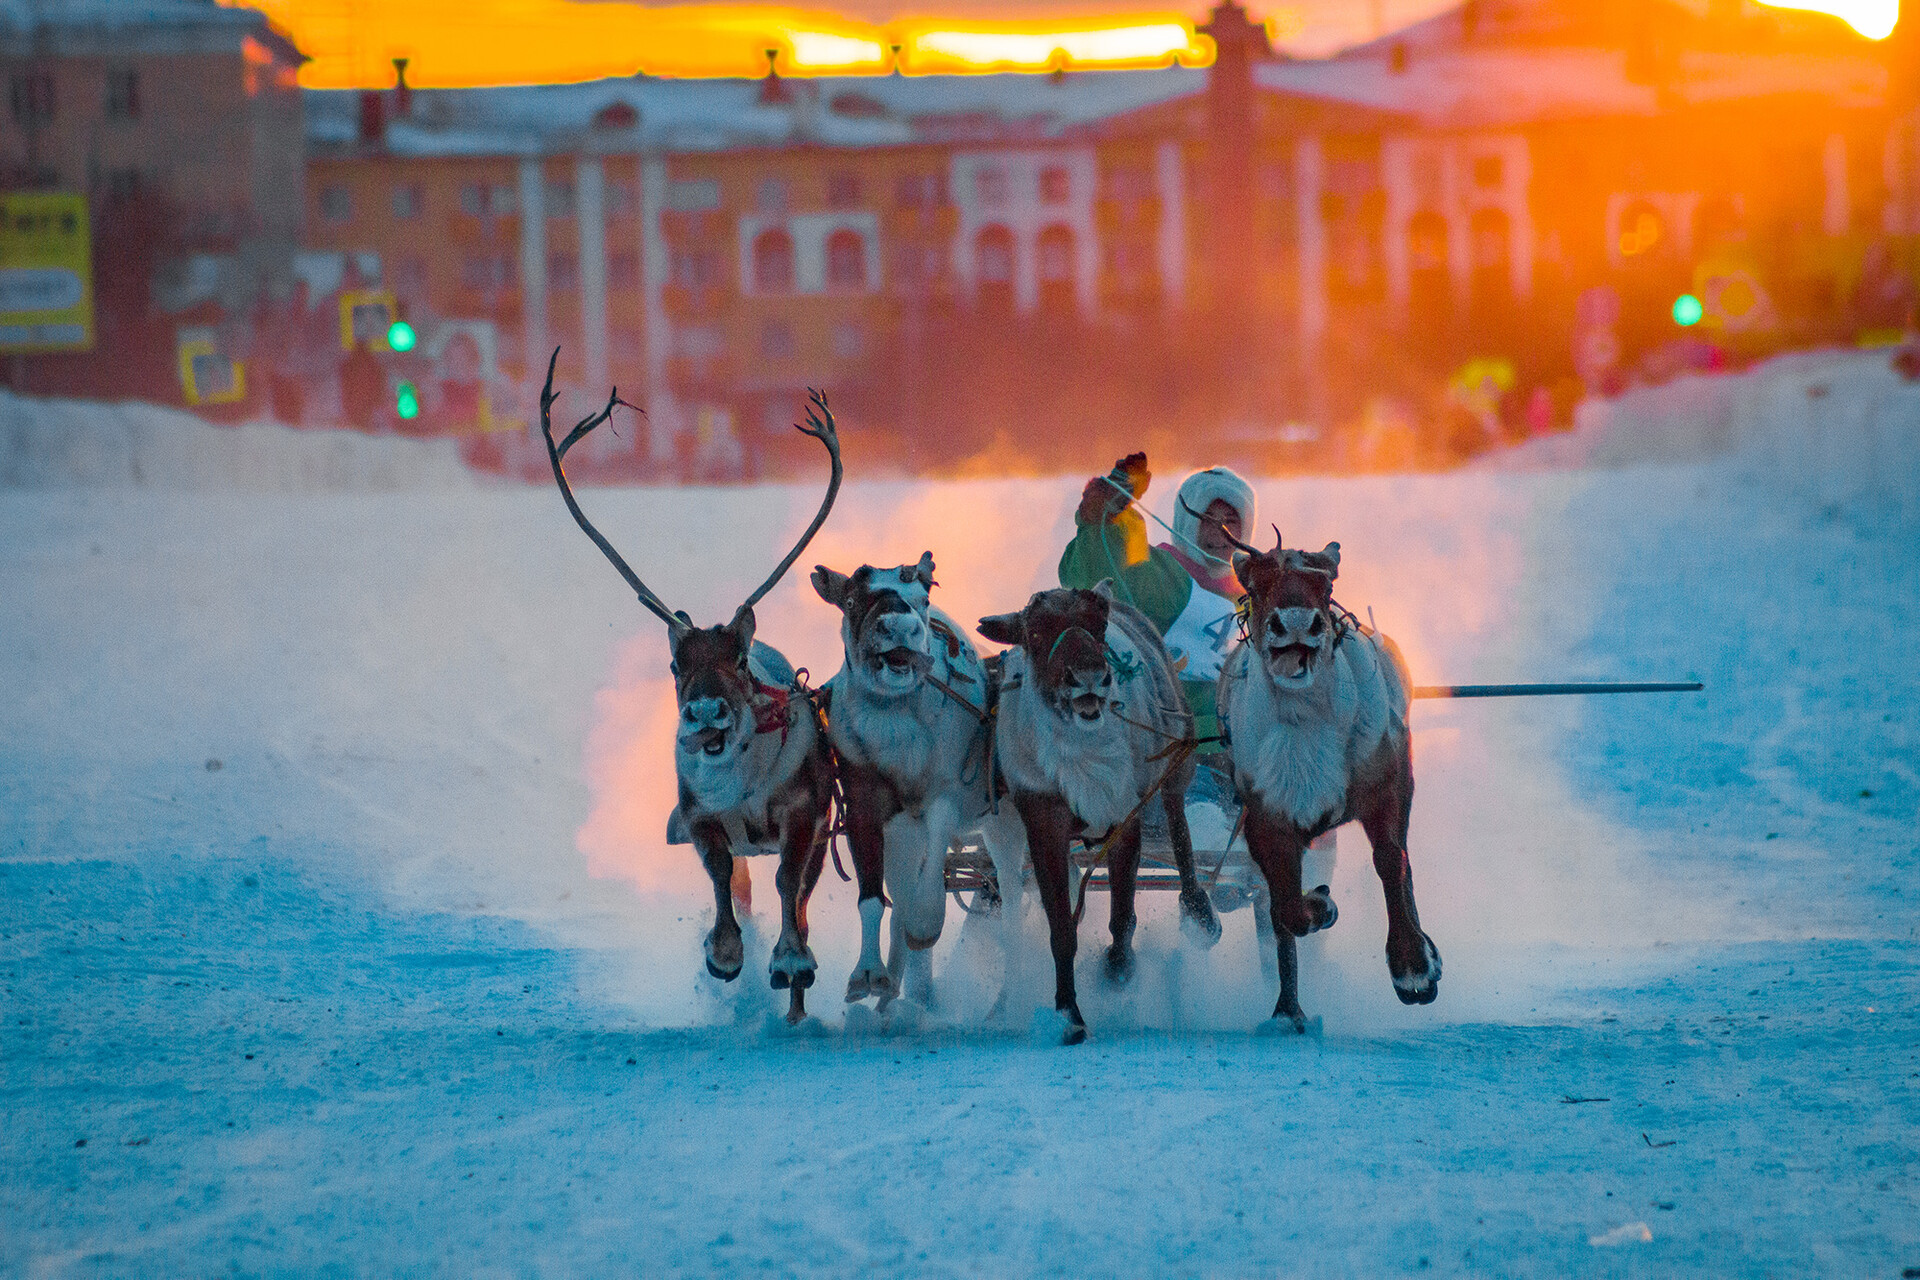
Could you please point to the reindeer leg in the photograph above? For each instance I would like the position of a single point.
(1412, 958)
(1275, 846)
(1197, 918)
(926, 915)
(809, 877)
(725, 951)
(1049, 821)
(1123, 870)
(792, 966)
(866, 839)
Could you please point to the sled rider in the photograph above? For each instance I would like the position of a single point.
(1186, 587)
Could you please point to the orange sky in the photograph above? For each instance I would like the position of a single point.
(352, 43)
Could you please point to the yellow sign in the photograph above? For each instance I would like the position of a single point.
(365, 317)
(209, 377)
(46, 272)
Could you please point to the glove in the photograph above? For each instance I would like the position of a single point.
(1100, 501)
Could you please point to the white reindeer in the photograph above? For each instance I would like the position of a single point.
(909, 721)
(1315, 711)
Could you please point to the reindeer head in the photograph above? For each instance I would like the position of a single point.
(714, 688)
(884, 622)
(712, 684)
(1290, 617)
(1064, 635)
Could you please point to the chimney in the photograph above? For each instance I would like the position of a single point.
(773, 90)
(373, 124)
(1232, 127)
(402, 91)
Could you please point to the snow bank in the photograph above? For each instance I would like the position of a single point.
(74, 444)
(1829, 426)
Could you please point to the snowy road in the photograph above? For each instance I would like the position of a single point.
(337, 937)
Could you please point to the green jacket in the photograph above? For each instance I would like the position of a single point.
(1158, 586)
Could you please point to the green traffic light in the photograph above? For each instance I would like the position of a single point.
(400, 336)
(1687, 311)
(407, 401)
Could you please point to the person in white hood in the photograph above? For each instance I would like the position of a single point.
(1186, 587)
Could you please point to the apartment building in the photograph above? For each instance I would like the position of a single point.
(1466, 185)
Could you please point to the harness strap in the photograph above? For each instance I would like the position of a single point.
(1177, 755)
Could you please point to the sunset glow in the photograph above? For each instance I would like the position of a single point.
(460, 43)
(1874, 19)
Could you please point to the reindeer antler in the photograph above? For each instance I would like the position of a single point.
(824, 432)
(1219, 524)
(555, 452)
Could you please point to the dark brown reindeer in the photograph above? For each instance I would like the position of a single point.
(1091, 720)
(1314, 707)
(754, 769)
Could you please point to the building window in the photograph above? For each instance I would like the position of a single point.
(483, 271)
(776, 340)
(336, 204)
(478, 199)
(993, 254)
(843, 189)
(32, 97)
(563, 271)
(846, 260)
(1427, 242)
(917, 266)
(123, 94)
(990, 186)
(123, 185)
(1056, 269)
(773, 262)
(849, 340)
(695, 269)
(693, 195)
(920, 190)
(623, 271)
(410, 278)
(408, 199)
(560, 199)
(623, 198)
(772, 196)
(1129, 183)
(1056, 185)
(1488, 171)
(993, 265)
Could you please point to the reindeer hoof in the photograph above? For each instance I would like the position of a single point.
(869, 982)
(1320, 909)
(725, 955)
(1119, 965)
(1423, 986)
(1059, 1026)
(791, 967)
(1198, 920)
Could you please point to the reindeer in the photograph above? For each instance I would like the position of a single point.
(911, 726)
(1091, 723)
(754, 768)
(1314, 707)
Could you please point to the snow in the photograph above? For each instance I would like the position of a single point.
(710, 115)
(339, 927)
(67, 444)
